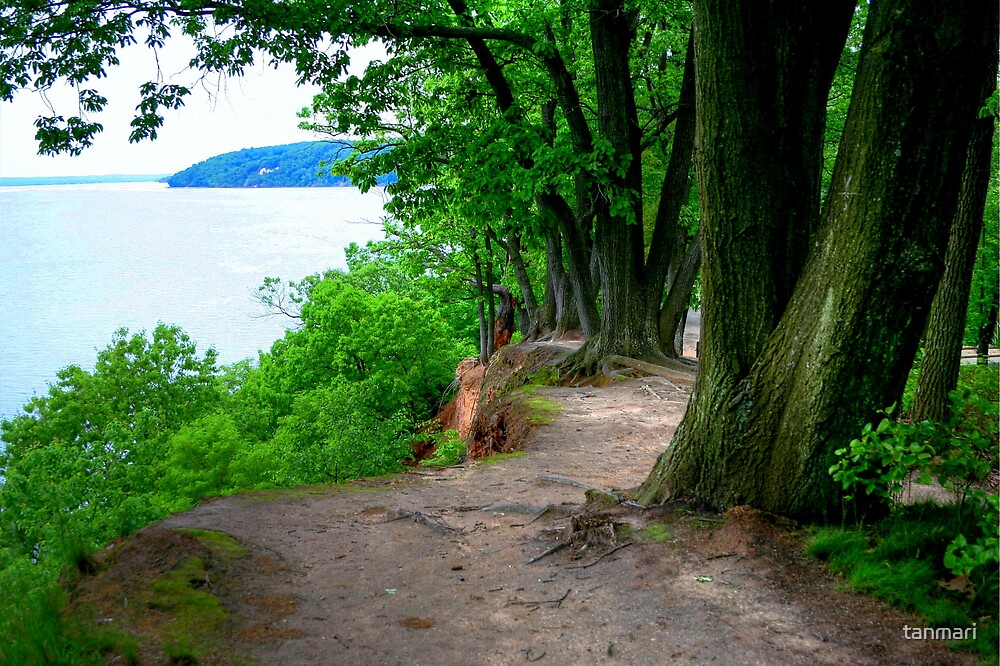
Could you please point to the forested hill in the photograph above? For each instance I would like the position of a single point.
(290, 165)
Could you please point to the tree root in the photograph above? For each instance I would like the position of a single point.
(548, 551)
(677, 371)
(555, 478)
(435, 522)
(589, 532)
(538, 511)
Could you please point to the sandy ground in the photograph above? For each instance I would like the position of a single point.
(433, 566)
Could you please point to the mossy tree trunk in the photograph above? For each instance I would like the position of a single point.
(781, 386)
(946, 328)
(631, 279)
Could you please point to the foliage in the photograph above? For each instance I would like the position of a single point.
(84, 459)
(959, 453)
(342, 432)
(915, 547)
(206, 458)
(290, 165)
(903, 560)
(881, 459)
(449, 449)
(156, 427)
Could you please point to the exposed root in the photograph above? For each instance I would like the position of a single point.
(434, 522)
(548, 551)
(549, 510)
(602, 557)
(590, 531)
(676, 373)
(565, 480)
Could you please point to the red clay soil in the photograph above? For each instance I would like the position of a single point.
(448, 566)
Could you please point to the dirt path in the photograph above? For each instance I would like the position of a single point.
(351, 575)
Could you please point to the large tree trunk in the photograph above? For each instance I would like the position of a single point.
(672, 314)
(943, 345)
(528, 314)
(627, 328)
(666, 250)
(771, 404)
(565, 315)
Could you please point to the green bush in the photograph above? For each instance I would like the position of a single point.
(905, 556)
(156, 427)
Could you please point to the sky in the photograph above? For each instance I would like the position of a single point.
(255, 110)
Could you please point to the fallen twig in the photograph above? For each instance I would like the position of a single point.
(548, 551)
(514, 508)
(610, 552)
(539, 603)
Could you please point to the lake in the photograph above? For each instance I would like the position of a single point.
(77, 262)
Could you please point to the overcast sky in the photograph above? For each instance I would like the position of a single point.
(256, 110)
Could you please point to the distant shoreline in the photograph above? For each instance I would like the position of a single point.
(82, 180)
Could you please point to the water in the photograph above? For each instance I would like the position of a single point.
(77, 262)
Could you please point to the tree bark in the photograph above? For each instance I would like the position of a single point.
(565, 315)
(480, 287)
(674, 308)
(512, 246)
(667, 243)
(770, 404)
(626, 327)
(946, 328)
(491, 302)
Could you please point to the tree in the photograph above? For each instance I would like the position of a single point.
(564, 51)
(825, 334)
(946, 326)
(84, 459)
(813, 308)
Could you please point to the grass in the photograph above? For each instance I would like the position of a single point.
(188, 618)
(654, 532)
(221, 544)
(900, 560)
(541, 411)
(499, 457)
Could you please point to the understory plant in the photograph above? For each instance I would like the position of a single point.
(939, 560)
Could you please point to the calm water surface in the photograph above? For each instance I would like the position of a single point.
(77, 262)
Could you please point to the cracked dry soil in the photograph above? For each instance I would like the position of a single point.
(412, 570)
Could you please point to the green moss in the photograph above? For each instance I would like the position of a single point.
(541, 411)
(499, 457)
(221, 544)
(194, 616)
(547, 375)
(657, 532)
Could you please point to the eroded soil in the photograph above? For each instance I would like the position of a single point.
(432, 566)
